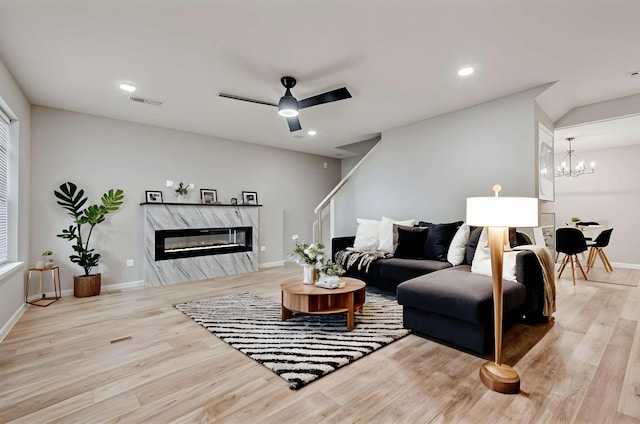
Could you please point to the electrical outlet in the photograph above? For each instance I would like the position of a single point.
(326, 165)
(129, 262)
(263, 248)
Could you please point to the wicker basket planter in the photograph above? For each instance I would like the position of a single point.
(87, 285)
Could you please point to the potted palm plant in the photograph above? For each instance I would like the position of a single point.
(85, 218)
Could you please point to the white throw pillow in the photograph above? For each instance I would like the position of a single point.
(482, 260)
(385, 236)
(367, 235)
(458, 246)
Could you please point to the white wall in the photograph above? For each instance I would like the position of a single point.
(14, 102)
(610, 196)
(427, 170)
(100, 153)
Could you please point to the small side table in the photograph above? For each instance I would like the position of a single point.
(44, 300)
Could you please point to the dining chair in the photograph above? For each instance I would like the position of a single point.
(571, 242)
(596, 248)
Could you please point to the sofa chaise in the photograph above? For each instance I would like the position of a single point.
(450, 303)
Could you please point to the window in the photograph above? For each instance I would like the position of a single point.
(4, 184)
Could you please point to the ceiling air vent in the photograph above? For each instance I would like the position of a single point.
(145, 101)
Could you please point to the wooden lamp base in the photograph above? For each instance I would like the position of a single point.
(500, 378)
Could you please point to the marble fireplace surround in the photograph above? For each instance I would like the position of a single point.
(175, 216)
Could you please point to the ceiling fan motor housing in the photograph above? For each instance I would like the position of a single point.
(288, 82)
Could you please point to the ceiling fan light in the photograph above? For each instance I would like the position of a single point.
(288, 106)
(288, 113)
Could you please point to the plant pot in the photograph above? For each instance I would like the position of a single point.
(87, 285)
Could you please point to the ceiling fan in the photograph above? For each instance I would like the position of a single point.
(288, 105)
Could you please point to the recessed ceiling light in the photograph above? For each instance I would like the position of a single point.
(128, 87)
(312, 132)
(465, 71)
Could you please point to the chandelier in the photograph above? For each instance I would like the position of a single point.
(567, 169)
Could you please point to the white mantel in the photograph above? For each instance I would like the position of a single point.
(172, 216)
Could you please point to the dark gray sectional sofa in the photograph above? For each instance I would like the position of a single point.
(450, 303)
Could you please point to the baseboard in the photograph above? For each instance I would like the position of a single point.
(624, 265)
(271, 264)
(12, 321)
(109, 287)
(128, 285)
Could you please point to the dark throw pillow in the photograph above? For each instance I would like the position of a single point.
(472, 244)
(513, 237)
(411, 242)
(438, 239)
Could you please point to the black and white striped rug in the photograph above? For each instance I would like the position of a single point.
(305, 347)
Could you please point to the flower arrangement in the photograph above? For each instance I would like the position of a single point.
(182, 190)
(313, 254)
(47, 253)
(307, 254)
(331, 269)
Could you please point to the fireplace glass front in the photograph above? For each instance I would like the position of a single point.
(186, 243)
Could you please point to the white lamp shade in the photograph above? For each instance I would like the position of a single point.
(502, 211)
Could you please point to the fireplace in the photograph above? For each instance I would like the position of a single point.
(191, 242)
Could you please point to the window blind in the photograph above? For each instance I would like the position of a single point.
(4, 191)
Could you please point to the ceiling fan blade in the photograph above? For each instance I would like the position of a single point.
(329, 96)
(245, 99)
(294, 123)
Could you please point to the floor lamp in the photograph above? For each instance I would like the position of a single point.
(498, 214)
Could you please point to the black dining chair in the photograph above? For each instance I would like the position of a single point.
(596, 248)
(571, 242)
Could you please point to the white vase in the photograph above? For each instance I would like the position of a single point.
(309, 274)
(181, 199)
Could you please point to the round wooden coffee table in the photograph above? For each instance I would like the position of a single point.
(307, 298)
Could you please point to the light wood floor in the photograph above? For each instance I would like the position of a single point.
(129, 356)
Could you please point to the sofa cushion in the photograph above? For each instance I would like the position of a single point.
(439, 239)
(387, 238)
(411, 242)
(472, 244)
(482, 259)
(367, 234)
(456, 292)
(400, 269)
(458, 247)
(474, 236)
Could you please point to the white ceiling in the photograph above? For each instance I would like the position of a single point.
(619, 132)
(398, 59)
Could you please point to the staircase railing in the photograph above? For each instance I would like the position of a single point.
(329, 200)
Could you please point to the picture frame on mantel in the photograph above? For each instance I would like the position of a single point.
(153, 196)
(546, 170)
(208, 196)
(249, 198)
